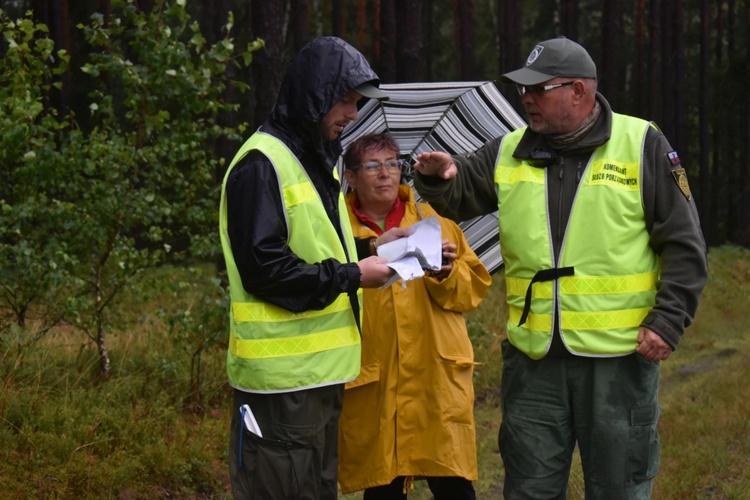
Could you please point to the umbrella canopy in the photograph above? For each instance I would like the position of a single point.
(454, 117)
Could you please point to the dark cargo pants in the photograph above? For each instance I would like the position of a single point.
(607, 406)
(297, 457)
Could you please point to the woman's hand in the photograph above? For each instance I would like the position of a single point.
(449, 255)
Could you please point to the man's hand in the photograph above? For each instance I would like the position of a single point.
(651, 346)
(392, 234)
(374, 272)
(436, 163)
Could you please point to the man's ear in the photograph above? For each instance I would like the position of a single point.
(579, 88)
(580, 91)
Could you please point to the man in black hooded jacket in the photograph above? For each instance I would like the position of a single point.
(294, 279)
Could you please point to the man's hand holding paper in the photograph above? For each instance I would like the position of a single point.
(421, 250)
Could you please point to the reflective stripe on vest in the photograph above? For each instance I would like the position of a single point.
(272, 349)
(600, 306)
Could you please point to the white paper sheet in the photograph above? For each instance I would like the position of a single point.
(412, 255)
(250, 423)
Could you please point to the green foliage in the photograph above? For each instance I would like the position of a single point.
(197, 319)
(146, 183)
(84, 211)
(32, 172)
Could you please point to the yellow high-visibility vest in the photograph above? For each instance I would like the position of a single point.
(272, 349)
(605, 281)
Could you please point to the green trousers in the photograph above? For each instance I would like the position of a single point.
(606, 406)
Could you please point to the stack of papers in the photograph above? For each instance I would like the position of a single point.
(411, 256)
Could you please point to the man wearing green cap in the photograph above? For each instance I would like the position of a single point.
(604, 265)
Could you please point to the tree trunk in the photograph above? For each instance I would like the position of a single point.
(268, 63)
(208, 22)
(428, 16)
(734, 123)
(299, 23)
(744, 237)
(463, 23)
(409, 47)
(654, 28)
(718, 235)
(704, 118)
(104, 7)
(100, 305)
(679, 89)
(375, 19)
(509, 51)
(668, 69)
(510, 35)
(102, 347)
(639, 82)
(569, 19)
(362, 25)
(338, 18)
(387, 67)
(611, 34)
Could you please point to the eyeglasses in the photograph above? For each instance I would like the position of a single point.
(539, 89)
(373, 167)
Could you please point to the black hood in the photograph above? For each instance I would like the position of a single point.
(323, 72)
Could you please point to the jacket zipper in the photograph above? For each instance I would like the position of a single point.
(558, 232)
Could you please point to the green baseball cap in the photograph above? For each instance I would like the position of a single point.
(553, 58)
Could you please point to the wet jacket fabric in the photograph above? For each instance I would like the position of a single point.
(272, 349)
(670, 214)
(410, 411)
(299, 446)
(324, 72)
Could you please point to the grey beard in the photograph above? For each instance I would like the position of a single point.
(559, 141)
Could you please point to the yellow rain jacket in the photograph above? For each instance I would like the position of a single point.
(410, 411)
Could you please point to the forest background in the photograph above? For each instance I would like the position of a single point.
(118, 119)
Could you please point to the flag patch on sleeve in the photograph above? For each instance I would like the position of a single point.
(673, 158)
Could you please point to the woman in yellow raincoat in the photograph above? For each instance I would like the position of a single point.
(409, 414)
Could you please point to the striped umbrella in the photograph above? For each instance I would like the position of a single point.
(455, 117)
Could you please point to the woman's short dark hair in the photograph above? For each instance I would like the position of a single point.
(357, 149)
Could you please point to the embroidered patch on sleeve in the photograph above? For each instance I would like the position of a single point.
(673, 158)
(681, 178)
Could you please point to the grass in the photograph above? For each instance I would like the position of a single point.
(65, 432)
